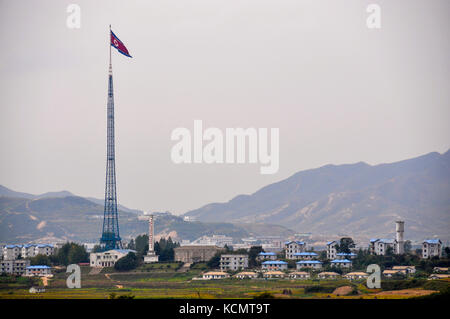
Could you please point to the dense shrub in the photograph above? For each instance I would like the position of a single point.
(401, 284)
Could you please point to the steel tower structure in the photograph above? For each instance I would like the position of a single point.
(110, 235)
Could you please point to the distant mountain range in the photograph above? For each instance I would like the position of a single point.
(356, 199)
(61, 216)
(4, 191)
(353, 199)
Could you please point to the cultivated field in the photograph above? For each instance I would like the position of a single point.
(165, 282)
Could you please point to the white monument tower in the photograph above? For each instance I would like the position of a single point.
(151, 257)
(400, 228)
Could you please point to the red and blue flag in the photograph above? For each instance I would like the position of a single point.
(116, 43)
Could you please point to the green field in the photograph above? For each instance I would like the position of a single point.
(163, 281)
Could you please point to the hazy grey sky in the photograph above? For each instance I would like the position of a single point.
(338, 91)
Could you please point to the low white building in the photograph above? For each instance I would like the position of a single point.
(14, 267)
(356, 275)
(328, 275)
(107, 258)
(274, 274)
(274, 265)
(293, 247)
(431, 248)
(343, 263)
(299, 275)
(407, 270)
(331, 249)
(246, 275)
(215, 275)
(233, 262)
(314, 264)
(38, 270)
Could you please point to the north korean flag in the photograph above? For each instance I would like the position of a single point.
(116, 43)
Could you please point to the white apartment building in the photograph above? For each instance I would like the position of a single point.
(14, 267)
(294, 247)
(107, 258)
(233, 262)
(11, 252)
(331, 250)
(431, 248)
(380, 246)
(32, 250)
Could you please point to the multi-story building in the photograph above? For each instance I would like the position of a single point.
(107, 258)
(214, 240)
(381, 246)
(431, 248)
(195, 253)
(305, 256)
(14, 267)
(44, 249)
(331, 250)
(274, 265)
(28, 250)
(314, 264)
(233, 262)
(293, 247)
(266, 256)
(12, 252)
(40, 270)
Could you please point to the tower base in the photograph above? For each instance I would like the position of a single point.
(151, 258)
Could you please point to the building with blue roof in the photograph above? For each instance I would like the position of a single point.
(294, 247)
(266, 256)
(345, 255)
(431, 248)
(331, 249)
(314, 264)
(343, 263)
(38, 270)
(274, 265)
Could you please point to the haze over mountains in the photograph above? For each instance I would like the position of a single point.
(62, 216)
(359, 200)
(355, 199)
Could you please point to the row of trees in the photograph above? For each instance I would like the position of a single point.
(164, 248)
(69, 253)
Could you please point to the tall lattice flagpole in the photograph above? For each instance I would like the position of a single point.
(110, 234)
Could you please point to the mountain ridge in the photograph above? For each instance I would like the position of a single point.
(353, 198)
